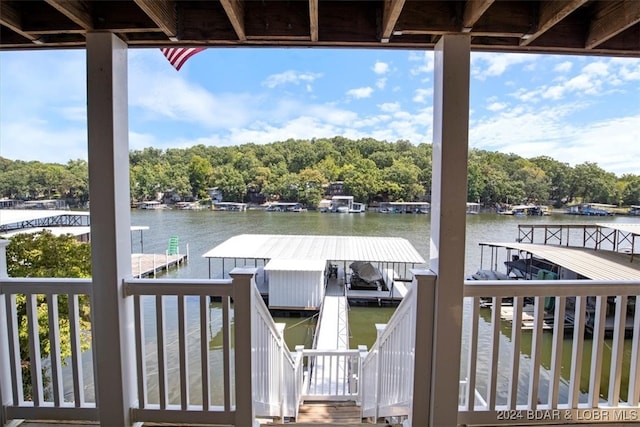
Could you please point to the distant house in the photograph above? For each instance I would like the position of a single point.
(335, 188)
(215, 194)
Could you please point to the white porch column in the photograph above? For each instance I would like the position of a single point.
(5, 368)
(243, 312)
(448, 219)
(114, 347)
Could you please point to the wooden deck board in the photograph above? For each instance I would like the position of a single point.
(143, 265)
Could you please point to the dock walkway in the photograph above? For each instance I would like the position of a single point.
(144, 265)
(332, 333)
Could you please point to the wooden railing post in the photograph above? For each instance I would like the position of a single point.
(243, 307)
(425, 285)
(5, 369)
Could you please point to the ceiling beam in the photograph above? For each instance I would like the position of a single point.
(392, 9)
(10, 18)
(551, 12)
(473, 10)
(618, 18)
(313, 20)
(235, 12)
(77, 11)
(163, 14)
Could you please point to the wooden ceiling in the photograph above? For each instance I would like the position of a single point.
(610, 27)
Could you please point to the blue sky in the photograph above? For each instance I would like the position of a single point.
(572, 108)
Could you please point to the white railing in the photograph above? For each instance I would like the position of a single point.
(199, 384)
(388, 369)
(183, 350)
(276, 386)
(51, 386)
(331, 374)
(187, 351)
(517, 389)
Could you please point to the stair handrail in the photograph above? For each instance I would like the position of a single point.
(386, 392)
(276, 387)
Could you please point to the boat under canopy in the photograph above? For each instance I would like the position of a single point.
(585, 262)
(388, 252)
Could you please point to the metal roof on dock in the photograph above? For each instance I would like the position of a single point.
(12, 216)
(626, 228)
(335, 248)
(590, 263)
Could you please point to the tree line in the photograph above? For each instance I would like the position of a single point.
(299, 171)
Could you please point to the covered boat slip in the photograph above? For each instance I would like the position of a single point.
(620, 237)
(18, 219)
(295, 271)
(583, 262)
(388, 252)
(549, 262)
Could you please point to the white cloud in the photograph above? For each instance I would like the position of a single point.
(381, 83)
(359, 93)
(390, 107)
(425, 62)
(33, 139)
(290, 76)
(484, 65)
(496, 106)
(380, 67)
(563, 67)
(161, 96)
(422, 96)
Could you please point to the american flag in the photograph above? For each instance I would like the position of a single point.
(177, 56)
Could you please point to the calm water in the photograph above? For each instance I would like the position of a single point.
(203, 230)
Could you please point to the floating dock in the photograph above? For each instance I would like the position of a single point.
(145, 265)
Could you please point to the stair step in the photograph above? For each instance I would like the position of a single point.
(329, 413)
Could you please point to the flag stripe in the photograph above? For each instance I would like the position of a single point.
(177, 56)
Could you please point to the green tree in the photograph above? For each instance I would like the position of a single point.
(200, 172)
(535, 183)
(311, 186)
(591, 183)
(363, 180)
(230, 182)
(559, 177)
(45, 255)
(631, 189)
(402, 182)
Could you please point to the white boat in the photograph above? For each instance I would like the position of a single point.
(151, 204)
(473, 208)
(357, 208)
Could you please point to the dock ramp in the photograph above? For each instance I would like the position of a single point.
(329, 375)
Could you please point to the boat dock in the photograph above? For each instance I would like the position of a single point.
(601, 254)
(329, 374)
(145, 265)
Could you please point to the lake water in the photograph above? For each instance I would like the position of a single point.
(203, 230)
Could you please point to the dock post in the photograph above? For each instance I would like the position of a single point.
(5, 368)
(243, 303)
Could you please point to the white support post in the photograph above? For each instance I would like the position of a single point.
(448, 220)
(5, 367)
(243, 312)
(380, 327)
(108, 153)
(423, 346)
